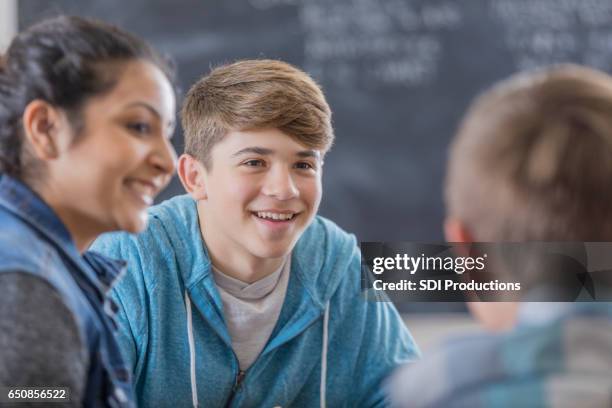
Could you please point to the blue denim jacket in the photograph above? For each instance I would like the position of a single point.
(33, 240)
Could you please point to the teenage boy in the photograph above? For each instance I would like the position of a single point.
(238, 294)
(531, 162)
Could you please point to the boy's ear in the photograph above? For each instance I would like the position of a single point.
(192, 174)
(42, 125)
(456, 231)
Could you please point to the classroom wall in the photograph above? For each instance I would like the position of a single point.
(398, 75)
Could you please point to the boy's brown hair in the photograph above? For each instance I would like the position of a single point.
(255, 94)
(532, 159)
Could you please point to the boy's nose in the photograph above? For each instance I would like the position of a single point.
(279, 184)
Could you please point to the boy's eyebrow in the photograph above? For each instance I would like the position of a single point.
(310, 153)
(265, 151)
(256, 150)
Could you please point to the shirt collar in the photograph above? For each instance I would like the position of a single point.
(252, 291)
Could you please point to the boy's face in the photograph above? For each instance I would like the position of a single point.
(262, 190)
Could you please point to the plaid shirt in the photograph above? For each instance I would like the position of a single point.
(562, 360)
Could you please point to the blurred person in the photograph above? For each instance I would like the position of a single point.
(238, 294)
(532, 161)
(86, 113)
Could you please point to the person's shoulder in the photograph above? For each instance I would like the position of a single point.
(178, 208)
(24, 292)
(442, 373)
(325, 254)
(167, 222)
(489, 368)
(33, 298)
(171, 244)
(323, 236)
(20, 246)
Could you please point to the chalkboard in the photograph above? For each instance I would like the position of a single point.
(398, 75)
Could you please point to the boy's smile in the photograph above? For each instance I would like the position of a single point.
(275, 219)
(262, 190)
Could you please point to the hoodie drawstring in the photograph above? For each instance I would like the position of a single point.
(194, 385)
(324, 355)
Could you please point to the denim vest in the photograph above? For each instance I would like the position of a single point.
(34, 240)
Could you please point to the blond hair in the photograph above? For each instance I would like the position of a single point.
(255, 94)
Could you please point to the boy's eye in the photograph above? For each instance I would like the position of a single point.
(254, 163)
(304, 166)
(139, 127)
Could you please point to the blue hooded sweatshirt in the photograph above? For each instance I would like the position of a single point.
(330, 346)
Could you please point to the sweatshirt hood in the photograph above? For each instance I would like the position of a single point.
(178, 218)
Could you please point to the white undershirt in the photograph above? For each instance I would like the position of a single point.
(251, 310)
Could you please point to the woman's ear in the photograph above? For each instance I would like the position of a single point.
(192, 174)
(456, 231)
(43, 128)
